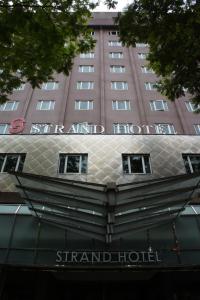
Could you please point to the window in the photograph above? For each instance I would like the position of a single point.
(92, 32)
(50, 85)
(73, 163)
(40, 128)
(11, 162)
(122, 128)
(150, 86)
(136, 164)
(114, 44)
(165, 129)
(116, 55)
(121, 105)
(191, 106)
(142, 55)
(158, 105)
(85, 85)
(192, 162)
(117, 69)
(141, 45)
(197, 129)
(4, 128)
(87, 55)
(86, 69)
(9, 106)
(116, 33)
(83, 105)
(145, 69)
(83, 128)
(45, 105)
(20, 88)
(119, 85)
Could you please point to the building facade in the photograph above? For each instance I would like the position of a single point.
(99, 181)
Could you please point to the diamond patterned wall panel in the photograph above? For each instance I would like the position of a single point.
(104, 155)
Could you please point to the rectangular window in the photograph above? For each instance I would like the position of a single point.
(40, 128)
(83, 105)
(83, 128)
(121, 105)
(114, 44)
(158, 105)
(86, 69)
(87, 55)
(142, 55)
(50, 85)
(165, 129)
(150, 86)
(122, 128)
(20, 88)
(192, 163)
(85, 85)
(9, 106)
(116, 55)
(197, 129)
(73, 163)
(191, 106)
(117, 69)
(146, 70)
(141, 45)
(45, 105)
(11, 162)
(119, 85)
(4, 128)
(92, 32)
(116, 33)
(136, 163)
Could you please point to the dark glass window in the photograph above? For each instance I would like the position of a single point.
(192, 163)
(73, 163)
(136, 164)
(11, 162)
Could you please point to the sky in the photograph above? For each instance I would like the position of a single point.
(121, 4)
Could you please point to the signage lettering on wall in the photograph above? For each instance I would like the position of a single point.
(105, 257)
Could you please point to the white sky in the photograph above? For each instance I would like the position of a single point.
(121, 4)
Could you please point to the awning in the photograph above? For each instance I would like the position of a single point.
(106, 212)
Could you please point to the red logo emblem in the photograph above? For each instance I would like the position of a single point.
(17, 126)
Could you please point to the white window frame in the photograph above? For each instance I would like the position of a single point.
(116, 55)
(143, 163)
(5, 106)
(114, 44)
(121, 128)
(45, 126)
(142, 55)
(113, 32)
(124, 85)
(80, 163)
(89, 104)
(93, 33)
(189, 160)
(20, 88)
(141, 45)
(6, 128)
(45, 86)
(41, 102)
(86, 68)
(117, 69)
(80, 85)
(5, 160)
(197, 129)
(190, 106)
(116, 104)
(150, 86)
(155, 108)
(146, 70)
(87, 55)
(159, 128)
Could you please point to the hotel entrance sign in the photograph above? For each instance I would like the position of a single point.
(105, 257)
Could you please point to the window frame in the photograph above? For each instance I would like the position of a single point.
(87, 55)
(143, 163)
(114, 68)
(79, 85)
(67, 155)
(90, 69)
(124, 85)
(154, 108)
(20, 156)
(20, 88)
(6, 129)
(90, 104)
(197, 129)
(115, 105)
(116, 55)
(146, 70)
(142, 55)
(114, 43)
(190, 106)
(188, 156)
(41, 102)
(149, 86)
(45, 86)
(113, 32)
(14, 105)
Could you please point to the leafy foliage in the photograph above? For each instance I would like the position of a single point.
(40, 37)
(172, 30)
